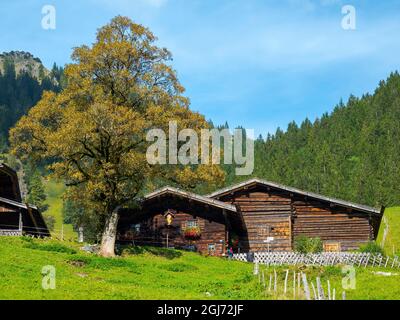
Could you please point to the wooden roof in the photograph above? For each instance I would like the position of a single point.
(189, 195)
(256, 181)
(18, 204)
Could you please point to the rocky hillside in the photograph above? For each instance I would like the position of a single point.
(23, 78)
(24, 62)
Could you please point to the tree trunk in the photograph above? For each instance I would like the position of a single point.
(107, 248)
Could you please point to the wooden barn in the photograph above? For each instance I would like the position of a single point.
(17, 218)
(252, 216)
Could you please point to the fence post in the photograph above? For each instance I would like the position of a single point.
(329, 290)
(255, 270)
(81, 235)
(315, 293)
(286, 280)
(270, 283)
(263, 279)
(305, 285)
(321, 293)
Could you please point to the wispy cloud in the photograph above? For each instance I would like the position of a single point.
(278, 40)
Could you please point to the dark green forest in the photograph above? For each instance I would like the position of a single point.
(353, 153)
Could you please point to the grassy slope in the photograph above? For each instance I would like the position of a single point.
(151, 276)
(392, 243)
(54, 191)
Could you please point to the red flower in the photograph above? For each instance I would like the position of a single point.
(192, 233)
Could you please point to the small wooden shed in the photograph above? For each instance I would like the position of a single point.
(17, 218)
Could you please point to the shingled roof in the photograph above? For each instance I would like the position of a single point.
(255, 181)
(191, 196)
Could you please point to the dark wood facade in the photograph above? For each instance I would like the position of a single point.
(9, 186)
(149, 225)
(253, 216)
(17, 218)
(275, 215)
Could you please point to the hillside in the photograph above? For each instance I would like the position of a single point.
(23, 78)
(54, 193)
(150, 273)
(24, 62)
(391, 223)
(351, 153)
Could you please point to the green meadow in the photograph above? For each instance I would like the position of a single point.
(151, 273)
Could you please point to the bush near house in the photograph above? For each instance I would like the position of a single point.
(372, 247)
(304, 244)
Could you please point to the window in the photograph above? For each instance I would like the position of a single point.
(191, 223)
(211, 248)
(135, 227)
(332, 247)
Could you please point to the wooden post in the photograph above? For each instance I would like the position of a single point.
(80, 235)
(167, 238)
(394, 261)
(329, 290)
(263, 278)
(275, 283)
(321, 293)
(294, 285)
(315, 293)
(255, 270)
(286, 280)
(367, 260)
(270, 283)
(20, 226)
(305, 285)
(334, 294)
(298, 282)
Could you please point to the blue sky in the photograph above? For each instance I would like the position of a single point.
(255, 63)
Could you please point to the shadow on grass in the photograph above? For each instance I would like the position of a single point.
(160, 252)
(51, 247)
(101, 263)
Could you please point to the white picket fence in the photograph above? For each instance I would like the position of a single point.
(319, 259)
(10, 233)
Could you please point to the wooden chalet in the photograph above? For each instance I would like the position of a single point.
(274, 215)
(171, 217)
(17, 218)
(252, 216)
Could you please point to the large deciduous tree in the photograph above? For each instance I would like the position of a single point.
(94, 131)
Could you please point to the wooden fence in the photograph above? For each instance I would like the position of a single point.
(319, 259)
(10, 233)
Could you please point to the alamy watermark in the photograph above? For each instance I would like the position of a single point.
(187, 148)
(49, 278)
(349, 277)
(49, 17)
(349, 21)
